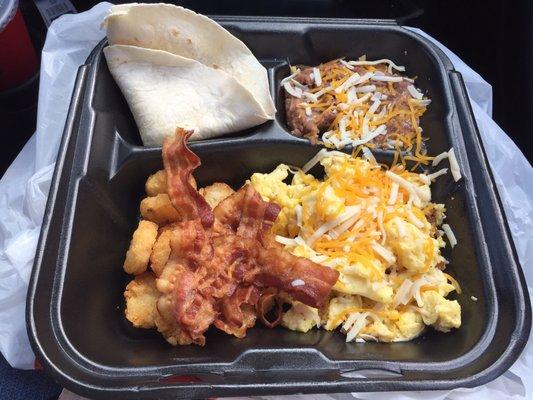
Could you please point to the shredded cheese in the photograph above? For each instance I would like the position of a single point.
(317, 77)
(439, 158)
(295, 92)
(449, 234)
(381, 61)
(454, 165)
(414, 92)
(440, 172)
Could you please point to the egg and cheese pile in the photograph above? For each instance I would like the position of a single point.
(379, 229)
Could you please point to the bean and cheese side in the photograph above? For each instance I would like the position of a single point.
(379, 229)
(351, 103)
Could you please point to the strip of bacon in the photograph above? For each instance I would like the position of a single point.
(237, 312)
(180, 162)
(223, 262)
(282, 270)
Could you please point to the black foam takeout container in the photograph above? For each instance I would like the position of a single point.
(75, 308)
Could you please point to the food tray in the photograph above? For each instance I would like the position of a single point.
(75, 308)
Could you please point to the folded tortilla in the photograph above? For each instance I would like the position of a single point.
(166, 91)
(185, 33)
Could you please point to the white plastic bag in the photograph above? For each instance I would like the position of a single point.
(24, 188)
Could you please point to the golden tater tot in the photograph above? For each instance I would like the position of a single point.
(159, 209)
(141, 301)
(215, 193)
(160, 252)
(140, 249)
(157, 183)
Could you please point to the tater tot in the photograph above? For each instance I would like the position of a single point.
(159, 209)
(141, 301)
(160, 252)
(215, 193)
(140, 249)
(157, 183)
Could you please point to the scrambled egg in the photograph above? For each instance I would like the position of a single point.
(379, 229)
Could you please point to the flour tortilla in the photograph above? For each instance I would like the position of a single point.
(166, 91)
(185, 33)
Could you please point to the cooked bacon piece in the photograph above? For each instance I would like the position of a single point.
(270, 303)
(179, 162)
(218, 271)
(237, 312)
(228, 212)
(282, 270)
(257, 216)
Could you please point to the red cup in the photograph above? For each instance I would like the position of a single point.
(18, 61)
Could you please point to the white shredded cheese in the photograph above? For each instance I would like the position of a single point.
(402, 294)
(412, 189)
(317, 77)
(323, 91)
(439, 158)
(285, 241)
(339, 230)
(415, 291)
(440, 172)
(449, 234)
(308, 111)
(359, 324)
(297, 282)
(381, 61)
(351, 94)
(382, 228)
(310, 96)
(380, 130)
(295, 92)
(365, 89)
(401, 228)
(348, 82)
(423, 102)
(414, 220)
(299, 217)
(425, 179)
(315, 160)
(454, 165)
(290, 77)
(342, 127)
(349, 212)
(368, 155)
(385, 253)
(362, 99)
(414, 92)
(320, 155)
(374, 106)
(386, 78)
(346, 64)
(319, 259)
(349, 321)
(393, 193)
(298, 84)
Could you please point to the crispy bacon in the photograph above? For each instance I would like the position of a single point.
(225, 268)
(179, 162)
(270, 304)
(237, 312)
(282, 270)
